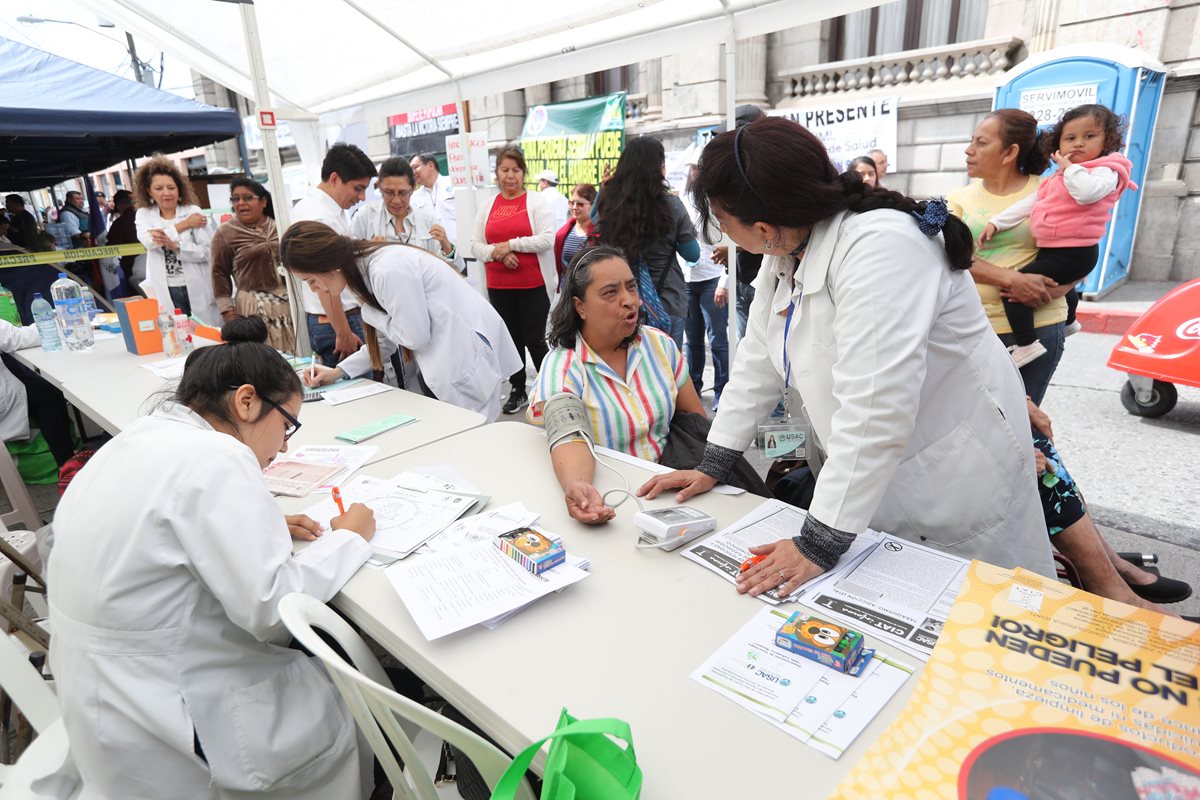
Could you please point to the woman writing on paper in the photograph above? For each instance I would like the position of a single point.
(865, 311)
(609, 380)
(168, 649)
(459, 341)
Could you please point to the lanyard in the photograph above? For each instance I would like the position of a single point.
(787, 364)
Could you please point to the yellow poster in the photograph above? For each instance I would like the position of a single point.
(1038, 691)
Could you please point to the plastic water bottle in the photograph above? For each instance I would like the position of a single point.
(166, 326)
(47, 325)
(8, 307)
(89, 302)
(183, 332)
(73, 322)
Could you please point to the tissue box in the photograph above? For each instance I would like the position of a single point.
(139, 325)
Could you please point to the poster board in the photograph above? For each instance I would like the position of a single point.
(577, 139)
(850, 129)
(1035, 684)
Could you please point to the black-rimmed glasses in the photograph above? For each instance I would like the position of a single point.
(293, 424)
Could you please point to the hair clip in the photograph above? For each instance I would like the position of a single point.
(932, 218)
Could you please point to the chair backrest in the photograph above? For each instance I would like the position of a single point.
(21, 681)
(378, 710)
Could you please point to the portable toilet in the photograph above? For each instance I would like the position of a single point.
(1126, 81)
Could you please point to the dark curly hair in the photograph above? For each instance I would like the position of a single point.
(158, 164)
(777, 172)
(1114, 128)
(632, 211)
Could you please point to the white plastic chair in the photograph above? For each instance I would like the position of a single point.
(380, 711)
(44, 769)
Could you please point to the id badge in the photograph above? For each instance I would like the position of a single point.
(787, 439)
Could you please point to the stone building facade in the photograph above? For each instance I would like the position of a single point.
(943, 59)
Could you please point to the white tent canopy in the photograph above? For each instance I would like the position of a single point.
(324, 55)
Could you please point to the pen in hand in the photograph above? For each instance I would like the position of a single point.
(312, 371)
(337, 498)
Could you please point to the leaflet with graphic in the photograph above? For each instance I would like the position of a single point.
(808, 701)
(900, 592)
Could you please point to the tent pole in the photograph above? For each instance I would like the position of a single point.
(262, 101)
(730, 117)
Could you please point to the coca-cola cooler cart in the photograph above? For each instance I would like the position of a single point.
(1161, 349)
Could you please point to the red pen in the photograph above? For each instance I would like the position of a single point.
(751, 561)
(337, 498)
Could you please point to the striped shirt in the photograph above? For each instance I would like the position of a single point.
(631, 415)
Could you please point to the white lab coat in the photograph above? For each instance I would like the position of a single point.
(918, 407)
(169, 561)
(194, 248)
(435, 313)
(541, 243)
(440, 200)
(373, 219)
(14, 403)
(559, 205)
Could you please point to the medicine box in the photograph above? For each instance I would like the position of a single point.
(139, 325)
(835, 646)
(532, 549)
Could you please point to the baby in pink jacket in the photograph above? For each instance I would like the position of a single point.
(1069, 213)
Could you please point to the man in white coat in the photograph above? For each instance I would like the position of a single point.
(558, 203)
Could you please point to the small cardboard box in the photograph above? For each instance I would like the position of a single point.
(139, 325)
(835, 646)
(532, 549)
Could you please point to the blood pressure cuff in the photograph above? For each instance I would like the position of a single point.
(565, 419)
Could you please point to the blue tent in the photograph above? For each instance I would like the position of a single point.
(60, 119)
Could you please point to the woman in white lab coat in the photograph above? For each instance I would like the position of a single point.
(177, 238)
(460, 343)
(167, 643)
(915, 406)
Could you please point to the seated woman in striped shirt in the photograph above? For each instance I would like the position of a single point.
(630, 378)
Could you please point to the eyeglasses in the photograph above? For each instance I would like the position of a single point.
(243, 198)
(580, 203)
(293, 423)
(390, 195)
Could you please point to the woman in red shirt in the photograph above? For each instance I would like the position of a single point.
(514, 237)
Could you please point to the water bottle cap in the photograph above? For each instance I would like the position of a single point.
(37, 295)
(179, 311)
(62, 274)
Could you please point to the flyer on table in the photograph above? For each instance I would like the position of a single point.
(1034, 684)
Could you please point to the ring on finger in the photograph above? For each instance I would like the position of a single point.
(781, 575)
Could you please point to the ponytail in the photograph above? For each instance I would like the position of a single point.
(956, 236)
(779, 159)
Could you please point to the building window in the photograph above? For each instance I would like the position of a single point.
(907, 25)
(618, 79)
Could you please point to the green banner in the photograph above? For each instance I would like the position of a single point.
(577, 139)
(62, 256)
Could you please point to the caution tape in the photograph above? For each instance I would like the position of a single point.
(60, 256)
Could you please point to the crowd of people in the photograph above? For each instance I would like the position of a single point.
(912, 341)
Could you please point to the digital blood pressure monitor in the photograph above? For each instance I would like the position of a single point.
(670, 528)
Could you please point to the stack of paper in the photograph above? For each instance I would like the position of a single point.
(811, 702)
(297, 478)
(348, 459)
(167, 368)
(356, 392)
(456, 589)
(404, 518)
(726, 550)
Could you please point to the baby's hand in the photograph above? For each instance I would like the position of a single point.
(986, 236)
(1062, 161)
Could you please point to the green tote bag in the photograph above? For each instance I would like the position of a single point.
(583, 764)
